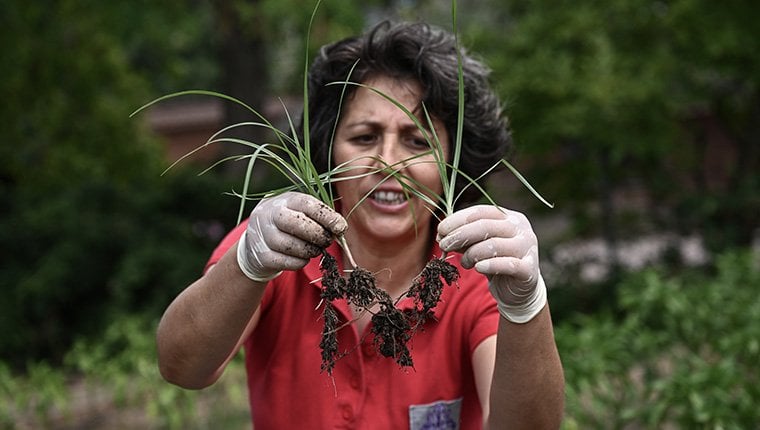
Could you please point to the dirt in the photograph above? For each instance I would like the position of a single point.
(391, 328)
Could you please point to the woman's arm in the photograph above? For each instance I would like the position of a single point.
(527, 391)
(519, 372)
(519, 376)
(205, 325)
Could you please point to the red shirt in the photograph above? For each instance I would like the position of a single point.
(366, 391)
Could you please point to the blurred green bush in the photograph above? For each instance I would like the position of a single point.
(683, 352)
(80, 257)
(88, 227)
(112, 381)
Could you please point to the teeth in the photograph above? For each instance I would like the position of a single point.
(388, 197)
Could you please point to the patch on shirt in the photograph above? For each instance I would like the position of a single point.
(441, 415)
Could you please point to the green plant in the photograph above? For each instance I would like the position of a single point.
(114, 377)
(41, 390)
(683, 355)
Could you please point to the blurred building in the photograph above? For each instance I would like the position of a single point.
(186, 125)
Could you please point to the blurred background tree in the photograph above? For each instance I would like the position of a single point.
(635, 117)
(658, 101)
(85, 211)
(645, 116)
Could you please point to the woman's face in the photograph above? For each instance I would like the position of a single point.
(373, 128)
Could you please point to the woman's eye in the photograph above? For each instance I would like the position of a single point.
(364, 138)
(419, 143)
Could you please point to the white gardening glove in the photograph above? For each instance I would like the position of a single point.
(284, 232)
(500, 244)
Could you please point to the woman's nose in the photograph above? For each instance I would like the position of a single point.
(389, 151)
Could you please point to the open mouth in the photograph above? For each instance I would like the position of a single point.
(388, 197)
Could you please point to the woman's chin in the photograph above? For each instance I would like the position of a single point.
(383, 230)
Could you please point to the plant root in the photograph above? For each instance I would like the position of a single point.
(427, 288)
(392, 329)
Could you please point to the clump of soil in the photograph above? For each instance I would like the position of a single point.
(361, 289)
(329, 342)
(333, 287)
(392, 329)
(427, 288)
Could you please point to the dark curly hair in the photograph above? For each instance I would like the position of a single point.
(427, 55)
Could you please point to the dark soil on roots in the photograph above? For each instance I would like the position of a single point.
(427, 288)
(392, 329)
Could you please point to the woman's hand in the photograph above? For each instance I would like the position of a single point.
(284, 232)
(500, 244)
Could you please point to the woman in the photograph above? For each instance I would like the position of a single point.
(487, 358)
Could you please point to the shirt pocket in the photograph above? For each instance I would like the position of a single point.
(440, 415)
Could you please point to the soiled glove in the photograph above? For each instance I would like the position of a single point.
(284, 232)
(500, 244)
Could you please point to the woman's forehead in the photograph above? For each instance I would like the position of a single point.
(376, 92)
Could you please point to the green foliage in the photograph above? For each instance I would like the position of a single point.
(683, 354)
(171, 43)
(283, 22)
(655, 97)
(118, 371)
(101, 249)
(41, 390)
(88, 226)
